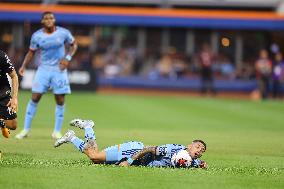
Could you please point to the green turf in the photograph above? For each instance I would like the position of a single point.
(245, 143)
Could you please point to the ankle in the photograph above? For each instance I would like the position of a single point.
(73, 138)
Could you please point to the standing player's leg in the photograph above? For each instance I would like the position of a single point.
(30, 113)
(40, 86)
(59, 115)
(61, 87)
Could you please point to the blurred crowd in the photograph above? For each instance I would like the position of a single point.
(108, 62)
(269, 70)
(126, 61)
(172, 65)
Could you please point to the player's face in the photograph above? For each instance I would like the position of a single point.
(196, 149)
(48, 20)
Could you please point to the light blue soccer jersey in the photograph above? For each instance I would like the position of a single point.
(51, 46)
(164, 155)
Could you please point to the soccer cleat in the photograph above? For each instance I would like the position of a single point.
(56, 135)
(23, 134)
(65, 139)
(5, 132)
(82, 124)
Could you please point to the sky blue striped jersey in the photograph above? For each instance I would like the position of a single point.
(165, 153)
(51, 46)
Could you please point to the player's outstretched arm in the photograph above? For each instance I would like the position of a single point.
(13, 103)
(29, 56)
(140, 154)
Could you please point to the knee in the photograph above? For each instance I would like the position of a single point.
(36, 98)
(96, 158)
(12, 124)
(60, 103)
(59, 100)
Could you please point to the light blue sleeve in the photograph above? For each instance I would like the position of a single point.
(69, 37)
(34, 42)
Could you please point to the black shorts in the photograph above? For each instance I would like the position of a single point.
(5, 112)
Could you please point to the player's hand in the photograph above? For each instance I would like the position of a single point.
(63, 64)
(203, 165)
(124, 164)
(22, 71)
(13, 104)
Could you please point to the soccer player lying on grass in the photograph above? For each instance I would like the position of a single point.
(134, 153)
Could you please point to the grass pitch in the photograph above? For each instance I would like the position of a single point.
(245, 143)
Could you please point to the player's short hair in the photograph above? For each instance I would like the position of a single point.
(45, 13)
(201, 141)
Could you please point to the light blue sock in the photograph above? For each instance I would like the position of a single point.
(89, 134)
(78, 143)
(30, 112)
(59, 116)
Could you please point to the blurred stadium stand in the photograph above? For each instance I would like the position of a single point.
(125, 42)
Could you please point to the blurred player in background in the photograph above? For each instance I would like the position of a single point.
(263, 67)
(8, 95)
(206, 60)
(278, 75)
(52, 71)
(130, 153)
